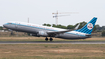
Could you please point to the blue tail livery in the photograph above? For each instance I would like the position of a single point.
(88, 28)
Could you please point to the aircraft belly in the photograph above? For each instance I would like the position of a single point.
(70, 36)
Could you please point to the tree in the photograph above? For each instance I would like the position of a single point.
(61, 26)
(82, 24)
(103, 28)
(48, 24)
(54, 25)
(44, 24)
(70, 27)
(99, 29)
(97, 26)
(1, 28)
(103, 33)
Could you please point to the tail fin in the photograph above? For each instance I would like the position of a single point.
(88, 28)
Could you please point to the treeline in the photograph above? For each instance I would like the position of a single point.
(97, 28)
(1, 28)
(66, 27)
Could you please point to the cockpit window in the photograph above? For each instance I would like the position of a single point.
(9, 23)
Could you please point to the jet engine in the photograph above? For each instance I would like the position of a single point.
(42, 33)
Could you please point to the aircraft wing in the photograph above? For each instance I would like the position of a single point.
(53, 33)
(58, 32)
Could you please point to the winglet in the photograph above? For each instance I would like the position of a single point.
(77, 26)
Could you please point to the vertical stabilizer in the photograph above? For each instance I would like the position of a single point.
(88, 28)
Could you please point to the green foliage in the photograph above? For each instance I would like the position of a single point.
(100, 29)
(70, 27)
(1, 28)
(94, 29)
(46, 24)
(59, 26)
(97, 26)
(82, 24)
(103, 33)
(54, 25)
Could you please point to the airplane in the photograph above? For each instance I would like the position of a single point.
(45, 31)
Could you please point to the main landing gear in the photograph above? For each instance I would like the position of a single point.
(49, 39)
(46, 39)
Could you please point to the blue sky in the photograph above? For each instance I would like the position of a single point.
(40, 11)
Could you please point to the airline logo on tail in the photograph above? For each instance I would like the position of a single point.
(90, 26)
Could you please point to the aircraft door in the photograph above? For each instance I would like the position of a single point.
(16, 25)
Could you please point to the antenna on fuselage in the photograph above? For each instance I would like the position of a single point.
(28, 20)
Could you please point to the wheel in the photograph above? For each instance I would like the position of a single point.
(51, 39)
(46, 39)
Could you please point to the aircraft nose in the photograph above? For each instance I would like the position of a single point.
(5, 25)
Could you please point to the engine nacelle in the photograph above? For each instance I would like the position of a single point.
(42, 33)
(35, 35)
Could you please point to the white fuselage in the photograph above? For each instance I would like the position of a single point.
(34, 28)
